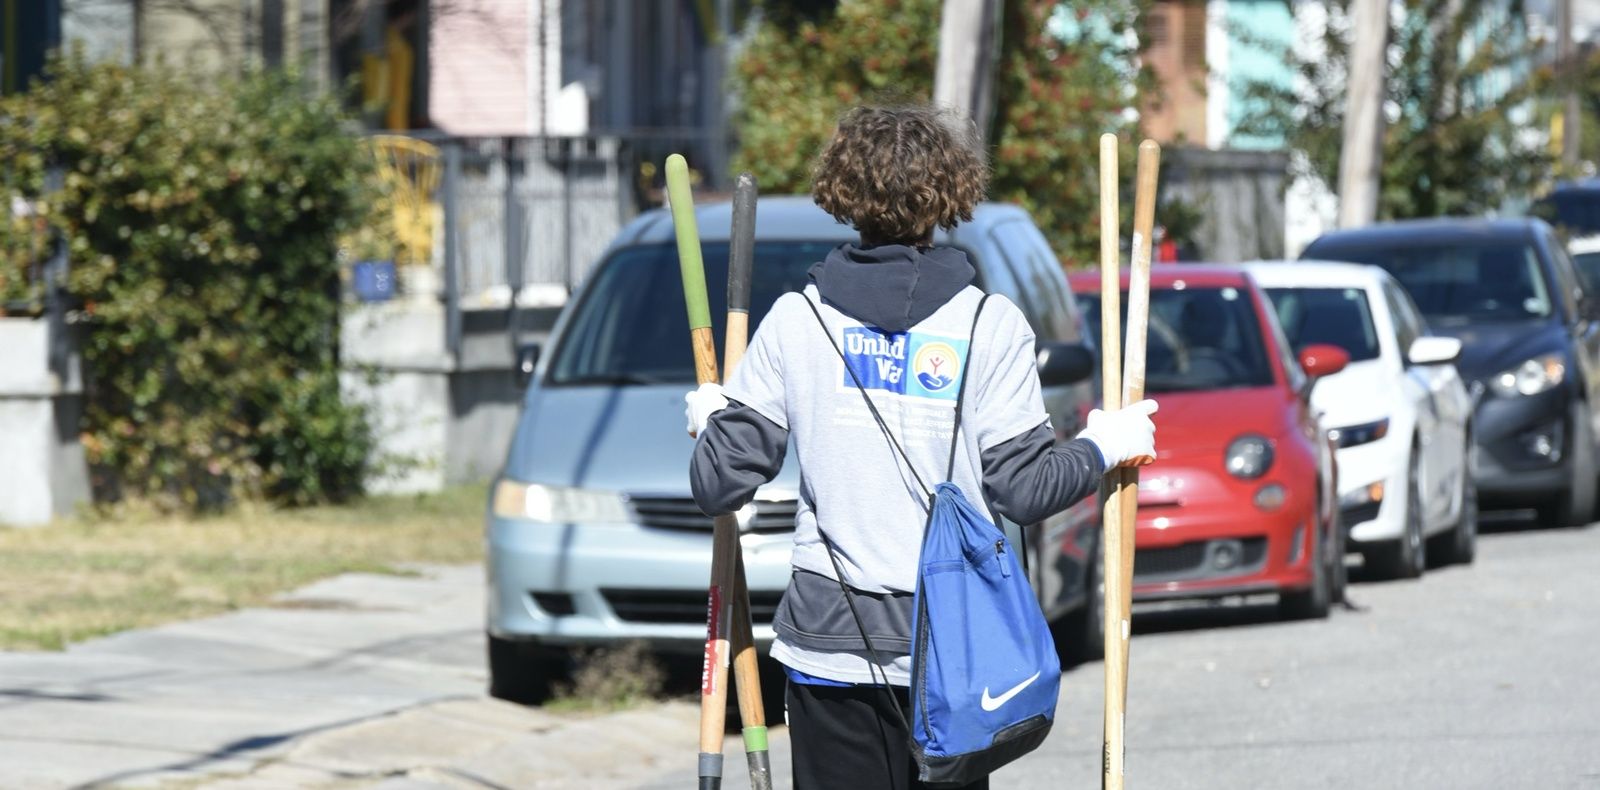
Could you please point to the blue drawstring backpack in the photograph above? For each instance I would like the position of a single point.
(984, 669)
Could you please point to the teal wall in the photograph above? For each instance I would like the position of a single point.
(1260, 32)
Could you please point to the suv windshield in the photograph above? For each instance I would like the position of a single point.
(1460, 282)
(632, 327)
(1199, 339)
(1335, 316)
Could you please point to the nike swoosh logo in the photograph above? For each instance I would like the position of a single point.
(994, 703)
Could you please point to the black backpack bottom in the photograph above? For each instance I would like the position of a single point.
(960, 769)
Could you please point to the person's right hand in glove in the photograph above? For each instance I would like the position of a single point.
(1125, 437)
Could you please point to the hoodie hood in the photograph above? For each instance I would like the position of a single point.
(892, 287)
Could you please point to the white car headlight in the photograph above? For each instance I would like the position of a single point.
(1531, 377)
(558, 504)
(1352, 435)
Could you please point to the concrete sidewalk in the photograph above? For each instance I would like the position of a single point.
(357, 681)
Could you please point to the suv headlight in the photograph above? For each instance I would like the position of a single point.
(1248, 457)
(557, 504)
(1352, 435)
(1531, 377)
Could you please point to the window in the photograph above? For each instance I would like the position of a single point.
(1013, 257)
(1199, 339)
(1568, 281)
(1040, 280)
(631, 325)
(1588, 265)
(1334, 316)
(1407, 325)
(1458, 282)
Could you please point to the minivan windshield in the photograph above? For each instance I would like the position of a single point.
(631, 326)
(1459, 282)
(1335, 316)
(1199, 339)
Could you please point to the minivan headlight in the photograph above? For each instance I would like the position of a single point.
(557, 504)
(1531, 377)
(1248, 457)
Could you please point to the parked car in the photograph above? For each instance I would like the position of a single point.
(1399, 413)
(1572, 205)
(1585, 252)
(1530, 336)
(1242, 498)
(593, 537)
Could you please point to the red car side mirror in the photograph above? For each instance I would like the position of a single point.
(1323, 360)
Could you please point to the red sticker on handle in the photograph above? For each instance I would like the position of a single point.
(708, 675)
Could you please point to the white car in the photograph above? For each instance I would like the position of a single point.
(1399, 413)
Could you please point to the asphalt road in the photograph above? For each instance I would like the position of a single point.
(1477, 676)
(1473, 677)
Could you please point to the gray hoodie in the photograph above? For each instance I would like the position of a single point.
(902, 318)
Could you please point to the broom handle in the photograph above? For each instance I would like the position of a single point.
(746, 670)
(714, 670)
(1111, 525)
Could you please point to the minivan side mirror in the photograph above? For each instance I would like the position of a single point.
(1320, 359)
(1061, 364)
(527, 360)
(1433, 350)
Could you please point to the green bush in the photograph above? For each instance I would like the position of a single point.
(202, 219)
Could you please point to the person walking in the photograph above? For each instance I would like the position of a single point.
(897, 320)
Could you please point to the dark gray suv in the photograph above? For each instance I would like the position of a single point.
(1530, 336)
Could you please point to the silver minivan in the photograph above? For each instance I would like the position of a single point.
(591, 533)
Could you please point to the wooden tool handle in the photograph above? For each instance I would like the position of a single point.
(1144, 212)
(746, 669)
(714, 669)
(1111, 532)
(1110, 277)
(692, 266)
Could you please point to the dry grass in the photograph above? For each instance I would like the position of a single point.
(608, 679)
(97, 574)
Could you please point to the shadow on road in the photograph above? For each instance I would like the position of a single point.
(1496, 522)
(1204, 615)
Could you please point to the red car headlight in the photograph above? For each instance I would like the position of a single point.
(1248, 457)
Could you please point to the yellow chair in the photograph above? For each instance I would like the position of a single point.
(409, 170)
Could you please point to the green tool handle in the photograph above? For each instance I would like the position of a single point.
(681, 201)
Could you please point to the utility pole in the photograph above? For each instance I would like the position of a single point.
(1567, 67)
(969, 46)
(1361, 153)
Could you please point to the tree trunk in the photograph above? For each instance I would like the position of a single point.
(1361, 153)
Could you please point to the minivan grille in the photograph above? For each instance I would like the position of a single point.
(680, 606)
(683, 513)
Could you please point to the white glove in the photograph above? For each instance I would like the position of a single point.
(1125, 437)
(700, 405)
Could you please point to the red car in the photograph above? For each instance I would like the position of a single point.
(1241, 498)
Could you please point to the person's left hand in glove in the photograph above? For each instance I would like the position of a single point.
(700, 404)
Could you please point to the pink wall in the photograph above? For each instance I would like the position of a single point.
(479, 60)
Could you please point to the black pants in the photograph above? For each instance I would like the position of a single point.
(849, 737)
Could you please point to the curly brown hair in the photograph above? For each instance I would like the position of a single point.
(896, 173)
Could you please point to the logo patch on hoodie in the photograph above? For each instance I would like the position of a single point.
(913, 364)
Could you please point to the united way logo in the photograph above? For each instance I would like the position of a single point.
(936, 366)
(904, 363)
